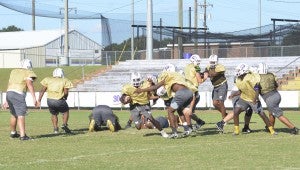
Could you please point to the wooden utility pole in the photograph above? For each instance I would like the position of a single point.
(204, 6)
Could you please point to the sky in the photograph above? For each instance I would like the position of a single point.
(222, 15)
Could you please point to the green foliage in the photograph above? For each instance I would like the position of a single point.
(11, 28)
(74, 73)
(146, 149)
(139, 43)
(292, 38)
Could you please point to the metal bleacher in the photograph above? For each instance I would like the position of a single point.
(113, 79)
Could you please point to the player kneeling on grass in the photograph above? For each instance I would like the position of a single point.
(102, 115)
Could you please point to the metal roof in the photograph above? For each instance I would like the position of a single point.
(27, 39)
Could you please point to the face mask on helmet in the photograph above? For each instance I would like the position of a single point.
(262, 68)
(58, 72)
(169, 67)
(136, 79)
(241, 69)
(195, 59)
(213, 60)
(26, 64)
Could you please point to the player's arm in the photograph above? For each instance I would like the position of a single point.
(151, 88)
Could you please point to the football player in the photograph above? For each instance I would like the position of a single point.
(57, 88)
(192, 73)
(216, 73)
(139, 102)
(102, 115)
(19, 81)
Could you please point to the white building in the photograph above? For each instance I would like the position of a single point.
(46, 47)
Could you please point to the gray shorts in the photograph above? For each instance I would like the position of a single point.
(244, 105)
(17, 103)
(181, 100)
(220, 92)
(57, 106)
(101, 114)
(273, 100)
(138, 111)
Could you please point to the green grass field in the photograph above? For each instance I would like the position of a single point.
(74, 73)
(146, 149)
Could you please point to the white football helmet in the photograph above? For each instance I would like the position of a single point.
(161, 91)
(241, 69)
(58, 72)
(253, 69)
(26, 64)
(170, 67)
(195, 59)
(262, 68)
(136, 79)
(213, 59)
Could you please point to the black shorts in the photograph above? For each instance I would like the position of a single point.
(57, 106)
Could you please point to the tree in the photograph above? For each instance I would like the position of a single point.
(292, 38)
(11, 28)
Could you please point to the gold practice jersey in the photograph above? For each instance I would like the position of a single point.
(172, 78)
(246, 86)
(267, 83)
(220, 77)
(55, 86)
(137, 98)
(17, 79)
(190, 74)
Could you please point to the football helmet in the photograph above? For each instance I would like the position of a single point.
(262, 68)
(26, 64)
(195, 59)
(241, 69)
(170, 67)
(213, 59)
(58, 72)
(152, 78)
(136, 79)
(253, 69)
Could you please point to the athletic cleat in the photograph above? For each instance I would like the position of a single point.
(15, 135)
(267, 129)
(66, 129)
(25, 138)
(246, 130)
(164, 134)
(295, 131)
(220, 126)
(55, 130)
(92, 126)
(110, 125)
(173, 136)
(235, 133)
(199, 125)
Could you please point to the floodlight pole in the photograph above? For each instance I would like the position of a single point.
(149, 51)
(132, 30)
(33, 15)
(65, 60)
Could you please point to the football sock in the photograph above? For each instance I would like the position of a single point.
(271, 129)
(236, 130)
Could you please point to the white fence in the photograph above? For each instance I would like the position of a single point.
(79, 100)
